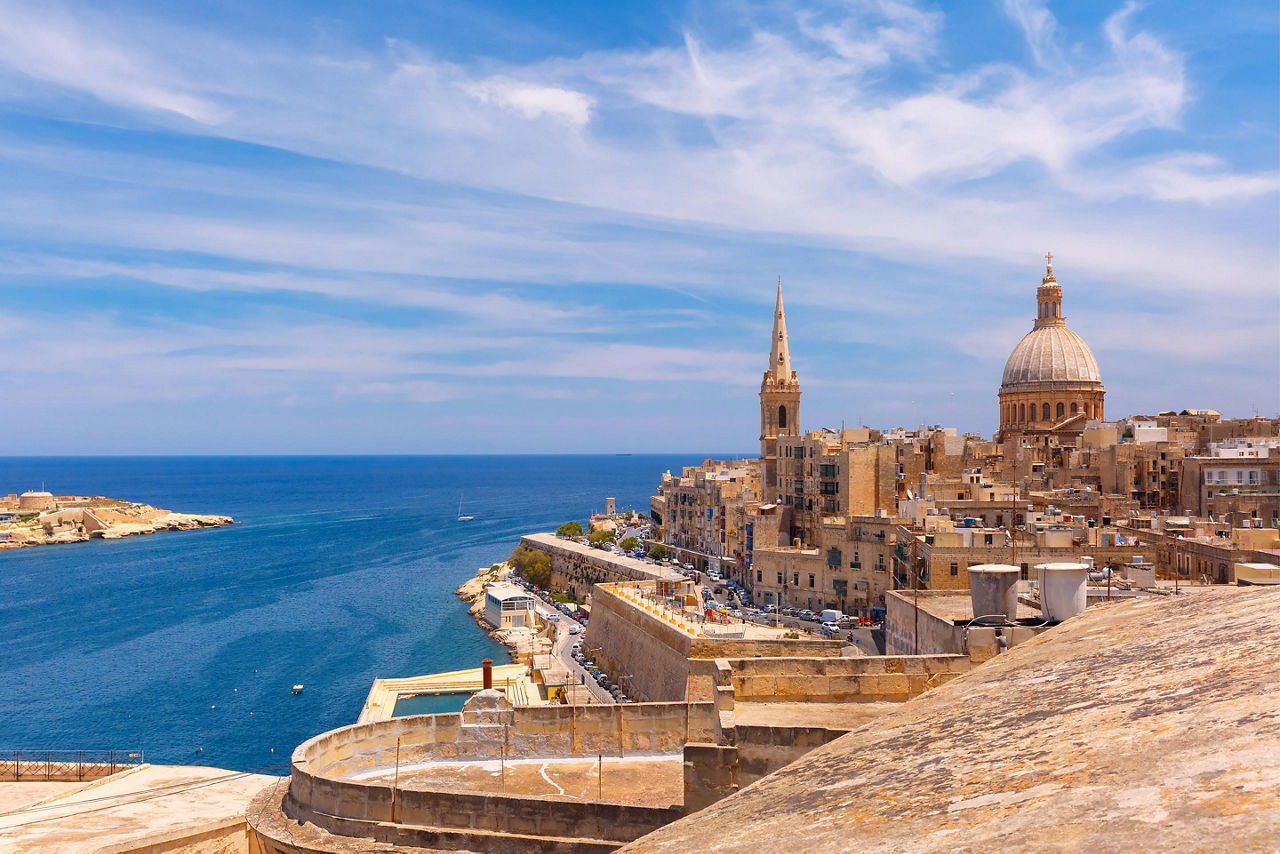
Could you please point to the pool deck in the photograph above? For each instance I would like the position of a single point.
(380, 705)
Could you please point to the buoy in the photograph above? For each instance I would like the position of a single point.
(213, 707)
(199, 750)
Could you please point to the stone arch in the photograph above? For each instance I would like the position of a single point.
(782, 417)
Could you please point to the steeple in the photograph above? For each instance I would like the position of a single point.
(779, 401)
(780, 353)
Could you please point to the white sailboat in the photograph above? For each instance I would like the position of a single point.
(461, 516)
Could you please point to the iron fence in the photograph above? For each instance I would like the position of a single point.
(65, 765)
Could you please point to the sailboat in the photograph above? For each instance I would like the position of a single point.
(461, 516)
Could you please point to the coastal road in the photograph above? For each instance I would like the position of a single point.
(563, 647)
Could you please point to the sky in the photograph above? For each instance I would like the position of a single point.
(328, 226)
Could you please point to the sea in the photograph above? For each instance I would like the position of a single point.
(185, 645)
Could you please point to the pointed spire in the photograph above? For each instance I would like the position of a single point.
(780, 353)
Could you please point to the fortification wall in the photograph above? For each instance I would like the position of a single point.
(659, 659)
(324, 788)
(894, 678)
(575, 567)
(627, 641)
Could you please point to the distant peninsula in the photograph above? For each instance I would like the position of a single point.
(42, 518)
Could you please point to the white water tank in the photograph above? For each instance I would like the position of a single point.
(1062, 589)
(993, 590)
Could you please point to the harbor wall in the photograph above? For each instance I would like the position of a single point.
(575, 567)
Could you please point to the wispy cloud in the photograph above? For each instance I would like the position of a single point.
(395, 221)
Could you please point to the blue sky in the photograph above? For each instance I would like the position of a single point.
(386, 227)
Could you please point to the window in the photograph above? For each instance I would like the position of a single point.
(811, 579)
(795, 579)
(759, 576)
(779, 577)
(1045, 412)
(856, 564)
(782, 416)
(1033, 410)
(986, 539)
(1060, 410)
(1022, 410)
(955, 570)
(1074, 409)
(833, 557)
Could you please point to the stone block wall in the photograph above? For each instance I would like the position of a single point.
(627, 641)
(893, 678)
(660, 660)
(575, 567)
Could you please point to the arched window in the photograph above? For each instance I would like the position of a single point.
(782, 417)
(1061, 410)
(1074, 409)
(1045, 411)
(1033, 412)
(1022, 412)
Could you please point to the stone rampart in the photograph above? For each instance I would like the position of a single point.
(339, 779)
(655, 654)
(893, 678)
(575, 567)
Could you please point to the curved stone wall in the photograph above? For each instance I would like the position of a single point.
(325, 789)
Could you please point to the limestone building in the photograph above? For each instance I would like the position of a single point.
(779, 401)
(1051, 382)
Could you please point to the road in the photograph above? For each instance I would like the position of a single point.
(563, 647)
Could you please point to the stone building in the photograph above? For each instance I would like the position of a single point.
(1051, 382)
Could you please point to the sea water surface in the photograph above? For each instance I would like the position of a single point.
(185, 645)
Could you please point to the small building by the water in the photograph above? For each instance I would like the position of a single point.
(507, 606)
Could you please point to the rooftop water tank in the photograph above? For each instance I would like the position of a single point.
(1062, 589)
(993, 590)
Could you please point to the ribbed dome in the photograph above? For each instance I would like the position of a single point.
(1051, 354)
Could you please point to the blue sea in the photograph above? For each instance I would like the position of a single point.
(342, 569)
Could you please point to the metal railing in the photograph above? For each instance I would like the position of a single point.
(65, 765)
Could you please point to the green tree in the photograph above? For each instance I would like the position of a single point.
(534, 566)
(569, 529)
(658, 552)
(630, 543)
(599, 537)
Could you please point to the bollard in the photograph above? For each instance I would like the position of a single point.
(487, 664)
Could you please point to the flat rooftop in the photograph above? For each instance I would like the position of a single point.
(127, 811)
(1149, 724)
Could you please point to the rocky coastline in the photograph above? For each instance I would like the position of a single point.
(99, 518)
(518, 641)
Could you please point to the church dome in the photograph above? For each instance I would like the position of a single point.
(1051, 354)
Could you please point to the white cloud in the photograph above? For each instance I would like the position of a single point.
(1039, 27)
(532, 101)
(76, 51)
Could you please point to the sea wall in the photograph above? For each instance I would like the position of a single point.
(575, 567)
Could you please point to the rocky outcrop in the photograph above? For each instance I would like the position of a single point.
(108, 520)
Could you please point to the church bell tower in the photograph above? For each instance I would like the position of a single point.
(779, 402)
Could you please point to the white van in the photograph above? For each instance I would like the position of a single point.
(830, 615)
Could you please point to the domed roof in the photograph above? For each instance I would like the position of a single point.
(1051, 354)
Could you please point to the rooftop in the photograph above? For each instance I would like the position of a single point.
(1144, 725)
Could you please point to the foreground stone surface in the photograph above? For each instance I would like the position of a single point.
(1146, 725)
(171, 807)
